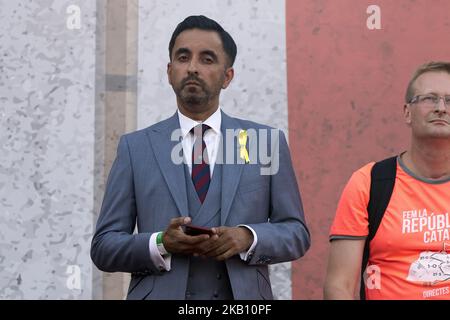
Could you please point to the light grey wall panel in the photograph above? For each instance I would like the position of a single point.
(47, 108)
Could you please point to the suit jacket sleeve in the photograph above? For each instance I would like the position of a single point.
(285, 236)
(114, 246)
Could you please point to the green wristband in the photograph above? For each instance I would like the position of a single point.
(160, 244)
(159, 238)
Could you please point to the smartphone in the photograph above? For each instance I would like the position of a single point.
(196, 230)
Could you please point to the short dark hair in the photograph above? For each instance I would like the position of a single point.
(432, 66)
(205, 23)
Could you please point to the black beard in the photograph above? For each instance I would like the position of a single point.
(194, 101)
(198, 97)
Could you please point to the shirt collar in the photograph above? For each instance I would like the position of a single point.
(186, 124)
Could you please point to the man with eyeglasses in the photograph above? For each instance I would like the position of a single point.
(408, 254)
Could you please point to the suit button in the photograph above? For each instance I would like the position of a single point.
(215, 295)
(219, 276)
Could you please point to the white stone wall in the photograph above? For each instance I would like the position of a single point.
(258, 92)
(47, 79)
(48, 125)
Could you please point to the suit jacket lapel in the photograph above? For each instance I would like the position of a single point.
(231, 173)
(160, 138)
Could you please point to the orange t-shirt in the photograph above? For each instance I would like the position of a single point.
(409, 255)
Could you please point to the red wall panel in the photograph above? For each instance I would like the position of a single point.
(346, 85)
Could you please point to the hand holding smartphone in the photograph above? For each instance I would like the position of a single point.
(193, 230)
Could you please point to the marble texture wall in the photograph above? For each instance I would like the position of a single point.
(47, 108)
(53, 137)
(258, 91)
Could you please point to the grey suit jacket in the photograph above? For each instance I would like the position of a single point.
(146, 188)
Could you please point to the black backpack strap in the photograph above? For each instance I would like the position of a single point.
(382, 180)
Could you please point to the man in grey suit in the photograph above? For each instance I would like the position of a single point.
(251, 218)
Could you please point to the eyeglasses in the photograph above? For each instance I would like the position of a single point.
(430, 100)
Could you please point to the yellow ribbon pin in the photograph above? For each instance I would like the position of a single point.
(243, 144)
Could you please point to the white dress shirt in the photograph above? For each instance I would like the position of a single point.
(212, 140)
(211, 137)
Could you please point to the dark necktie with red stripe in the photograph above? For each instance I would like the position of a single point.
(201, 176)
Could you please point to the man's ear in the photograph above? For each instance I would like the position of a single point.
(169, 69)
(407, 113)
(229, 74)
